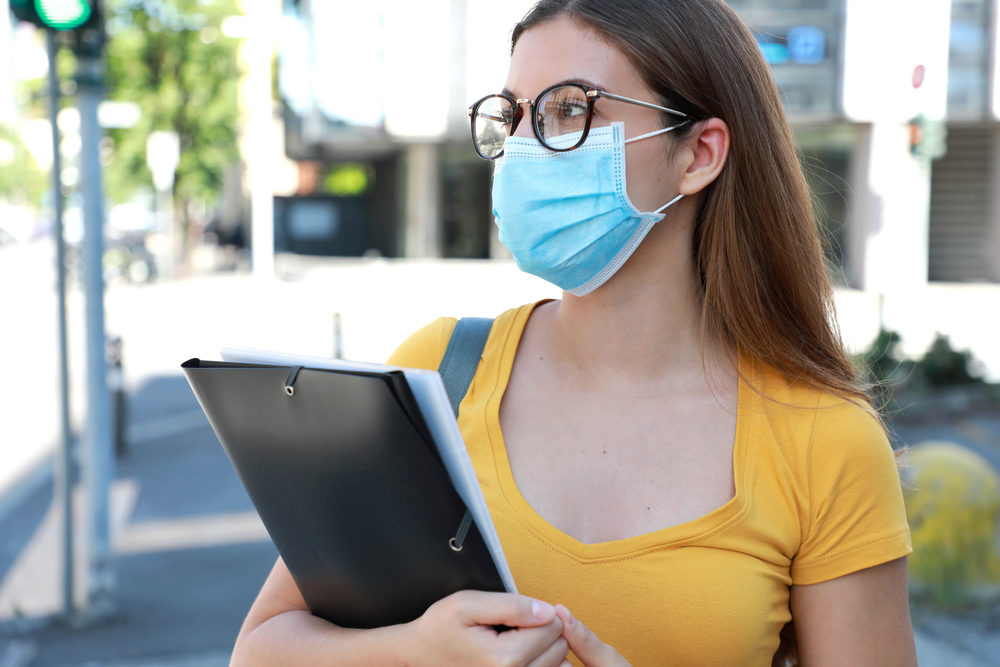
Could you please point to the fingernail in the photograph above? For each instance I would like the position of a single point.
(565, 614)
(541, 609)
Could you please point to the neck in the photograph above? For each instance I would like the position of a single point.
(642, 329)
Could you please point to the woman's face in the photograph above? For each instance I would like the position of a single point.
(566, 50)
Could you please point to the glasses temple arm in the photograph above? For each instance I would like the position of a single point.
(601, 93)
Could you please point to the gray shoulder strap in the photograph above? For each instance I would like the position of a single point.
(461, 357)
(457, 368)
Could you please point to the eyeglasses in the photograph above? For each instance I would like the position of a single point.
(558, 110)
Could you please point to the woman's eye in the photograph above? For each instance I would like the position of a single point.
(571, 109)
(565, 110)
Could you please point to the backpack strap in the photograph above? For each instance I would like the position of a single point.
(461, 357)
(457, 368)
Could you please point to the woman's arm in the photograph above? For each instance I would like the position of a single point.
(859, 619)
(862, 618)
(456, 630)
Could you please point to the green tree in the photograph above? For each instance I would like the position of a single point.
(21, 180)
(172, 59)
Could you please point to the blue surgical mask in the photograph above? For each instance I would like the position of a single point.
(566, 217)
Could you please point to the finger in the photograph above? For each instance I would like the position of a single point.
(553, 656)
(584, 643)
(516, 611)
(524, 645)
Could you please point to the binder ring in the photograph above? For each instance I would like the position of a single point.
(455, 546)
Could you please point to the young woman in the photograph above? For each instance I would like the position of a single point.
(676, 454)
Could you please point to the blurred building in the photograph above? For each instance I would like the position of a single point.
(896, 108)
(374, 100)
(895, 104)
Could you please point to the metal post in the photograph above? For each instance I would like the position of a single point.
(116, 385)
(99, 460)
(63, 481)
(165, 223)
(423, 193)
(163, 153)
(260, 129)
(338, 337)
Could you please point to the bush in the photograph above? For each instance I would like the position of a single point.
(952, 504)
(880, 367)
(880, 359)
(942, 365)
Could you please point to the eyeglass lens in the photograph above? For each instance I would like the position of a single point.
(560, 111)
(491, 125)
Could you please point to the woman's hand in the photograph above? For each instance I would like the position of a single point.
(461, 629)
(458, 630)
(591, 651)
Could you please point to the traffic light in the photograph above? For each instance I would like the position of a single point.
(58, 15)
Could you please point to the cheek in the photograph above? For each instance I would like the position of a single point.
(649, 175)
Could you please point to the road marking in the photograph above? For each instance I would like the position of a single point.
(33, 584)
(190, 533)
(19, 654)
(33, 587)
(163, 427)
(15, 490)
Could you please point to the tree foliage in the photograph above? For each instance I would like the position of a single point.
(21, 180)
(172, 59)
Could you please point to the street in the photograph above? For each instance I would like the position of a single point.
(190, 552)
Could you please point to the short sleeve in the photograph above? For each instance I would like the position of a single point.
(855, 515)
(425, 347)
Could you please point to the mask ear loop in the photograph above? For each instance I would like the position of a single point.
(661, 209)
(653, 133)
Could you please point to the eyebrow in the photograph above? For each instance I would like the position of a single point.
(586, 82)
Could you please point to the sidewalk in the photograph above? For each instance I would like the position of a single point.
(190, 552)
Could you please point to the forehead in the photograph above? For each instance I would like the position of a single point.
(565, 49)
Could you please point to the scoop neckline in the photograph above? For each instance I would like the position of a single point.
(682, 533)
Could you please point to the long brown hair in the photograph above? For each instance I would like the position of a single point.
(756, 243)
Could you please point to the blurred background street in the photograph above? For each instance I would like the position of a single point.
(229, 172)
(189, 551)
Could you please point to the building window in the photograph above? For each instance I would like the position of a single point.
(968, 59)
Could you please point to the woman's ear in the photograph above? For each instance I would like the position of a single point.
(709, 150)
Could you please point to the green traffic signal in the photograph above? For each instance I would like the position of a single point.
(59, 15)
(24, 10)
(63, 14)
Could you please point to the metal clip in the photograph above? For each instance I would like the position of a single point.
(456, 543)
(290, 380)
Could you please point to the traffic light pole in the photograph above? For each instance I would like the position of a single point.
(82, 20)
(64, 465)
(99, 458)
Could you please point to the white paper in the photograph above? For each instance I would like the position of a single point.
(429, 392)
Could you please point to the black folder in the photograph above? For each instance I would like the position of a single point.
(346, 478)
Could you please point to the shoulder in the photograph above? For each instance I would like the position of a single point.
(842, 473)
(818, 423)
(425, 347)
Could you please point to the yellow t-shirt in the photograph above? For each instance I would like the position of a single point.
(817, 497)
